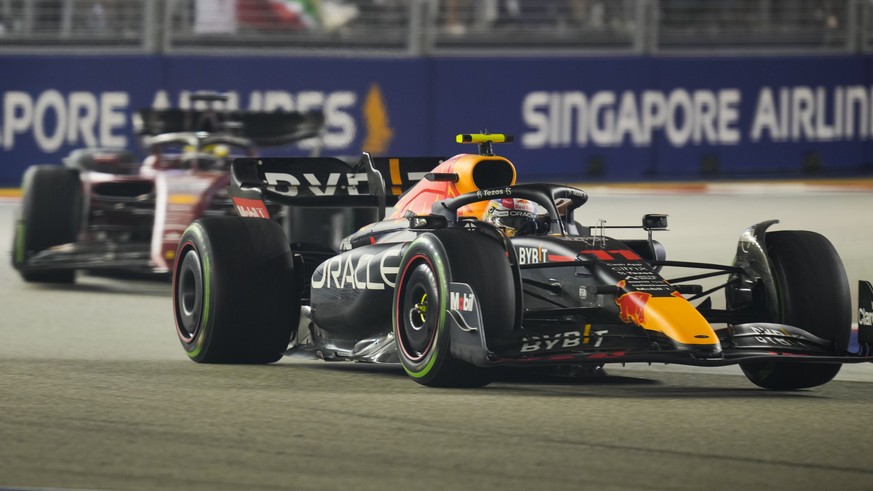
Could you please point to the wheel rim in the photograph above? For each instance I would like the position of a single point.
(189, 294)
(419, 312)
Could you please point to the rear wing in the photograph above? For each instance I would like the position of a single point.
(323, 181)
(262, 128)
(274, 129)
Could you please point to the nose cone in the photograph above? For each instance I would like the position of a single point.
(672, 317)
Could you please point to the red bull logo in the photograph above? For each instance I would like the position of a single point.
(631, 307)
(670, 315)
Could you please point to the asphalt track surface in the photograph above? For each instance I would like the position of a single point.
(96, 393)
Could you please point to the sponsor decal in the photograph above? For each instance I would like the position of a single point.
(639, 277)
(562, 340)
(770, 336)
(307, 184)
(494, 212)
(865, 297)
(463, 307)
(532, 255)
(631, 307)
(250, 208)
(485, 193)
(865, 317)
(462, 301)
(365, 272)
(570, 339)
(521, 205)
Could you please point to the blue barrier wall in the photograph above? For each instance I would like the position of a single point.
(601, 118)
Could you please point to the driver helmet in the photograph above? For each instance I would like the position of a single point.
(515, 216)
(215, 156)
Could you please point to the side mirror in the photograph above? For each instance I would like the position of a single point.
(655, 221)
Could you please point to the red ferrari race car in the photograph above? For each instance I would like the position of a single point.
(471, 272)
(105, 210)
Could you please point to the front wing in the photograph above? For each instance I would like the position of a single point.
(616, 343)
(92, 255)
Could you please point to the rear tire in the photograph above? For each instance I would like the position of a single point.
(813, 294)
(235, 298)
(51, 214)
(421, 303)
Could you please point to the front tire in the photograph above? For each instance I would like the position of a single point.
(421, 303)
(813, 294)
(235, 298)
(51, 215)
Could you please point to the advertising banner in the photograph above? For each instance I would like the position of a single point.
(50, 106)
(574, 119)
(667, 118)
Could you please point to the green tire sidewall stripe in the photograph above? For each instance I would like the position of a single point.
(19, 243)
(441, 325)
(197, 231)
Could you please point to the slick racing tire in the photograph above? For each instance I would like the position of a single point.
(51, 214)
(421, 303)
(813, 294)
(235, 298)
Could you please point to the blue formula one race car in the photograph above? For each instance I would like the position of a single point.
(471, 271)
